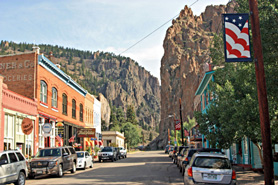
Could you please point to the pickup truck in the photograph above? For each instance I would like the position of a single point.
(54, 160)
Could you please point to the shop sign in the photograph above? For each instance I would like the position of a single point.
(46, 128)
(27, 126)
(86, 132)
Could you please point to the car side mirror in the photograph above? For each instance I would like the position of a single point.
(65, 154)
(3, 162)
(185, 162)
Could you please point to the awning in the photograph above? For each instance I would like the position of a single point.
(91, 143)
(96, 142)
(47, 116)
(100, 143)
(86, 143)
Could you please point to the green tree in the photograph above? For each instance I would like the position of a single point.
(131, 133)
(120, 115)
(130, 115)
(151, 136)
(234, 114)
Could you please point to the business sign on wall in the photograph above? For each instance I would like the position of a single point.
(27, 126)
(86, 132)
(47, 127)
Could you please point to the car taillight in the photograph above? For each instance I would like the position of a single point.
(189, 172)
(234, 175)
(186, 159)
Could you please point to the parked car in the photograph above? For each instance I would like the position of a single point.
(209, 168)
(54, 160)
(123, 152)
(107, 153)
(118, 156)
(84, 160)
(180, 156)
(186, 158)
(171, 149)
(13, 167)
(177, 152)
(167, 147)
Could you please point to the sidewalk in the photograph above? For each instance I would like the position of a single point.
(248, 177)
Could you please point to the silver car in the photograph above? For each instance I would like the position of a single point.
(209, 168)
(13, 167)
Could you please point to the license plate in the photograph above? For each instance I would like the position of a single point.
(212, 176)
(105, 158)
(39, 172)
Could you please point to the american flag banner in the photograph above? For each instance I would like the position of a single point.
(72, 139)
(177, 124)
(236, 38)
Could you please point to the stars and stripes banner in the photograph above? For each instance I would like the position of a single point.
(177, 124)
(72, 139)
(236, 38)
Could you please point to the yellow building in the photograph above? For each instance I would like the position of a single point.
(110, 137)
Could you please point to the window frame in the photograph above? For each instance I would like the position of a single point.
(81, 112)
(43, 92)
(65, 104)
(54, 98)
(73, 112)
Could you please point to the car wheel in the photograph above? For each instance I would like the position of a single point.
(182, 172)
(125, 156)
(21, 179)
(180, 169)
(84, 166)
(99, 160)
(92, 164)
(60, 171)
(73, 167)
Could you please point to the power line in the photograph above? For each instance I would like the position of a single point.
(154, 30)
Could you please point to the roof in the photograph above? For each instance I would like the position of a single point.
(48, 65)
(206, 79)
(209, 154)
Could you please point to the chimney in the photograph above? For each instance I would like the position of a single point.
(37, 49)
(50, 56)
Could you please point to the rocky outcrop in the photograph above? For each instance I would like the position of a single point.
(105, 109)
(186, 50)
(126, 83)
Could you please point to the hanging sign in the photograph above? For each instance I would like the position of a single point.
(86, 132)
(236, 37)
(46, 128)
(27, 126)
(177, 124)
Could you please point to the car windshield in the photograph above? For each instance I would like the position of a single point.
(49, 152)
(212, 162)
(106, 150)
(80, 154)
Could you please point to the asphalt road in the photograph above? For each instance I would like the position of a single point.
(144, 167)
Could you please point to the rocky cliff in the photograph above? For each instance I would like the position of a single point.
(186, 51)
(127, 83)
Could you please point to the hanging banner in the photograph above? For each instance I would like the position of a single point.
(27, 126)
(236, 38)
(177, 124)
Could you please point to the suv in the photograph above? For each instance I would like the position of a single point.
(107, 153)
(207, 168)
(54, 160)
(123, 152)
(13, 167)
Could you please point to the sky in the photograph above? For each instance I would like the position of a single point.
(97, 25)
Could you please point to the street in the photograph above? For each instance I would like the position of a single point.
(151, 167)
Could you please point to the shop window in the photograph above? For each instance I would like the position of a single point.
(73, 108)
(65, 104)
(81, 112)
(54, 97)
(9, 132)
(43, 94)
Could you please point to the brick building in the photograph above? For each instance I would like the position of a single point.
(60, 99)
(14, 109)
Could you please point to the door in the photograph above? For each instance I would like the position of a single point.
(69, 158)
(65, 159)
(15, 164)
(5, 169)
(88, 159)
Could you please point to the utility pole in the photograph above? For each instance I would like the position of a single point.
(262, 95)
(181, 125)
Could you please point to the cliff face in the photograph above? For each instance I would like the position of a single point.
(127, 83)
(186, 51)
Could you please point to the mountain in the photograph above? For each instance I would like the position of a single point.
(120, 79)
(186, 56)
